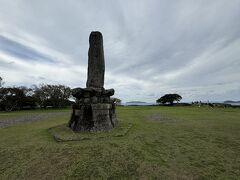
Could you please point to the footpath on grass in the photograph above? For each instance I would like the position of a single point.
(8, 120)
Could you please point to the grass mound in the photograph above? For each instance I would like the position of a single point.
(62, 133)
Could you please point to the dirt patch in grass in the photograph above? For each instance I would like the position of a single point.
(160, 117)
(62, 133)
(9, 121)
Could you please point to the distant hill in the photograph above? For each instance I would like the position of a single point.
(232, 103)
(229, 102)
(137, 103)
(133, 102)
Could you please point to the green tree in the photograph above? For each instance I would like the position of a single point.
(116, 101)
(169, 98)
(52, 95)
(1, 82)
(12, 98)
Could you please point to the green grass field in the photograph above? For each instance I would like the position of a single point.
(163, 143)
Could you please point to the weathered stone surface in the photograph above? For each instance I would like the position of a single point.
(96, 63)
(93, 117)
(108, 92)
(91, 92)
(81, 119)
(94, 110)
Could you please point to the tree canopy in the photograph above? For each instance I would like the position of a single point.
(44, 95)
(169, 98)
(52, 95)
(116, 101)
(1, 82)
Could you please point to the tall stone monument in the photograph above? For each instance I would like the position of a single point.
(94, 110)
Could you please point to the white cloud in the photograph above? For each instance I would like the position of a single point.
(151, 47)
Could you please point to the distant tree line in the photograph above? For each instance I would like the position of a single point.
(169, 99)
(42, 96)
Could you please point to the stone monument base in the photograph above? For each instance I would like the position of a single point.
(93, 111)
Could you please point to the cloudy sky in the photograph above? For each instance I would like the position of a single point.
(152, 47)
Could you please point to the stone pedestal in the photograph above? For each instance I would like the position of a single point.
(93, 117)
(93, 111)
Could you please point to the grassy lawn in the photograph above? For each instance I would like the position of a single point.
(163, 143)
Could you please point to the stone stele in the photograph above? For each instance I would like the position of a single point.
(96, 64)
(94, 110)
